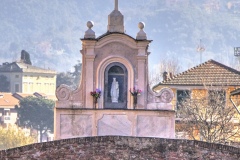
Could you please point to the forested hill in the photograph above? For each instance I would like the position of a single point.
(50, 30)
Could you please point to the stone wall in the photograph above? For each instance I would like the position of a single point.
(110, 148)
(114, 122)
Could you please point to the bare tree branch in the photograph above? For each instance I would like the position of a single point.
(170, 66)
(209, 118)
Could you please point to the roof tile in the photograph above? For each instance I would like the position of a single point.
(208, 73)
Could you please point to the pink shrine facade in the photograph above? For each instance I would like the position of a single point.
(114, 63)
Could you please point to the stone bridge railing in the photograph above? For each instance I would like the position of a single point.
(115, 147)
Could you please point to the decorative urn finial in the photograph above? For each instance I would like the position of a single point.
(141, 35)
(90, 33)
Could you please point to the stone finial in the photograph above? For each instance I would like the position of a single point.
(90, 24)
(141, 35)
(90, 33)
(141, 25)
(116, 4)
(115, 20)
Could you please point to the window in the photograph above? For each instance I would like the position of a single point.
(16, 76)
(6, 115)
(52, 88)
(46, 87)
(31, 86)
(38, 87)
(181, 96)
(25, 87)
(6, 112)
(16, 87)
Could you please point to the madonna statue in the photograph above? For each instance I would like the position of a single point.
(114, 91)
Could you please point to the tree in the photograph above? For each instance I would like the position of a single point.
(209, 118)
(71, 79)
(77, 73)
(25, 56)
(13, 136)
(64, 78)
(170, 66)
(4, 84)
(36, 113)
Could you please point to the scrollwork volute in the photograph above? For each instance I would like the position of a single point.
(63, 92)
(164, 96)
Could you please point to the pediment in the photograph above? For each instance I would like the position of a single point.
(116, 37)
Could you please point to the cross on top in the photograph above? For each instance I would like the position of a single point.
(116, 5)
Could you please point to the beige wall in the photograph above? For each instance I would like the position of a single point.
(32, 82)
(12, 115)
(39, 82)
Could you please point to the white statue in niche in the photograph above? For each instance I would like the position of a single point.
(114, 91)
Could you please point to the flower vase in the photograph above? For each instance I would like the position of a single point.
(95, 99)
(134, 102)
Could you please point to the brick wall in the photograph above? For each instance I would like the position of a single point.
(110, 148)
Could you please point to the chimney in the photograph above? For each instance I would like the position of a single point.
(165, 75)
(170, 75)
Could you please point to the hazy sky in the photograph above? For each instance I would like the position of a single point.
(52, 29)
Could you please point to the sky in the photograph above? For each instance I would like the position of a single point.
(51, 30)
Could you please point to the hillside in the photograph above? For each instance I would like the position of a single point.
(50, 30)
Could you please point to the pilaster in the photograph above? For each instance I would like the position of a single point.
(141, 73)
(89, 57)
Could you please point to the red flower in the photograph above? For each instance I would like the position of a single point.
(96, 93)
(135, 92)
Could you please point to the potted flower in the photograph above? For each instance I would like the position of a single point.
(135, 92)
(96, 94)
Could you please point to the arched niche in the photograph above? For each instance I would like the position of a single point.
(100, 75)
(115, 86)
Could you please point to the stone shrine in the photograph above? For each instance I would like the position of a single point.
(114, 63)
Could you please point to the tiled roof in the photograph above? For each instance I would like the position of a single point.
(7, 100)
(23, 67)
(208, 73)
(51, 97)
(10, 67)
(20, 96)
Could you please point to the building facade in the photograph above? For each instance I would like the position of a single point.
(211, 82)
(198, 81)
(25, 78)
(8, 113)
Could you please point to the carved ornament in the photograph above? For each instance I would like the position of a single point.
(63, 92)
